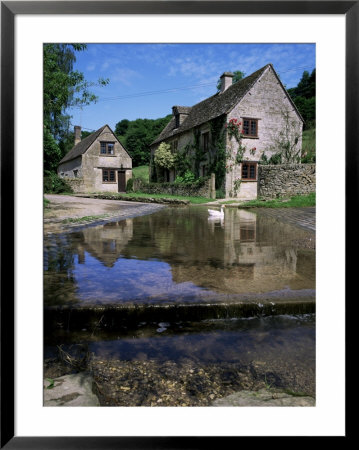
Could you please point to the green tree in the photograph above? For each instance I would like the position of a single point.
(303, 96)
(122, 127)
(137, 136)
(63, 87)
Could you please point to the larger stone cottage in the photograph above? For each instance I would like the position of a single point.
(97, 163)
(232, 131)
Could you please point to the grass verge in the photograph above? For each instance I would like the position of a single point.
(138, 196)
(84, 219)
(297, 201)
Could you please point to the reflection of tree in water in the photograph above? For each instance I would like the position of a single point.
(59, 281)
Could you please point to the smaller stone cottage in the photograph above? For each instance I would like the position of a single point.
(233, 131)
(97, 163)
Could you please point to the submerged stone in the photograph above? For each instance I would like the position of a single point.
(264, 397)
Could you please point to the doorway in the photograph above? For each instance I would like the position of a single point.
(121, 181)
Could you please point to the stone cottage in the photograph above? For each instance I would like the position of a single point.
(97, 163)
(232, 131)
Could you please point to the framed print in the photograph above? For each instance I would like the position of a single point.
(79, 266)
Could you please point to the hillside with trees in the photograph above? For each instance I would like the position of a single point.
(137, 135)
(303, 96)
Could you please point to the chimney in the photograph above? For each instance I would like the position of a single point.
(226, 81)
(77, 131)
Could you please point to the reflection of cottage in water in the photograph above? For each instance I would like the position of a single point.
(106, 243)
(251, 261)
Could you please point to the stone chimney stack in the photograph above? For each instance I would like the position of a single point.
(77, 130)
(226, 81)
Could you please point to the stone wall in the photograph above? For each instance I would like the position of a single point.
(187, 190)
(77, 185)
(285, 180)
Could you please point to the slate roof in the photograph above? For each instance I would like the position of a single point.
(82, 146)
(215, 106)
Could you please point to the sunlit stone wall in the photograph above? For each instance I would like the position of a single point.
(286, 180)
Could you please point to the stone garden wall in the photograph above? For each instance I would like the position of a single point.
(188, 190)
(285, 180)
(77, 185)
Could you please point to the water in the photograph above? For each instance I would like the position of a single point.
(180, 256)
(176, 255)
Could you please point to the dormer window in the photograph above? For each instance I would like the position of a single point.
(107, 148)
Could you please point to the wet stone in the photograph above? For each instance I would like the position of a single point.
(70, 390)
(265, 397)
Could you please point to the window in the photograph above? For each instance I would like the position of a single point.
(249, 171)
(205, 141)
(108, 176)
(107, 148)
(250, 127)
(174, 146)
(76, 172)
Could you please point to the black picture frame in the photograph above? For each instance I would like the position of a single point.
(9, 9)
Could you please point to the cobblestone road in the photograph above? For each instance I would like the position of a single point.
(299, 217)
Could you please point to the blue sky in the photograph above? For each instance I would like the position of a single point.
(146, 80)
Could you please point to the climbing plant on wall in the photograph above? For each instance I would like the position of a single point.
(217, 157)
(199, 154)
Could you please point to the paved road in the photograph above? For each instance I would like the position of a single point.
(299, 217)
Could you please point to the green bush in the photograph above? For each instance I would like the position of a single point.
(188, 178)
(53, 184)
(129, 185)
(220, 193)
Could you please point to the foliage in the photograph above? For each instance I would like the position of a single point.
(182, 161)
(52, 153)
(217, 162)
(46, 202)
(129, 185)
(163, 157)
(199, 153)
(53, 184)
(62, 88)
(122, 127)
(303, 96)
(237, 75)
(137, 135)
(187, 178)
(220, 193)
(308, 146)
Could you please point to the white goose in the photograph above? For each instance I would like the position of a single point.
(216, 214)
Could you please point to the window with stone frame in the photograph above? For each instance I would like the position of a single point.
(249, 171)
(108, 176)
(107, 148)
(250, 127)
